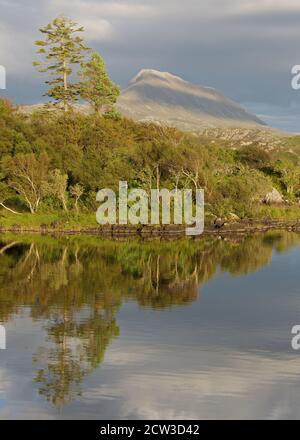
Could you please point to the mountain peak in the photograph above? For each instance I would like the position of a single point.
(163, 97)
(148, 74)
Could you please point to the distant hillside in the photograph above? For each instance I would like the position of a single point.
(163, 97)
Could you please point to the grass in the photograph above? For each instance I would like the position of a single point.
(56, 220)
(72, 221)
(278, 213)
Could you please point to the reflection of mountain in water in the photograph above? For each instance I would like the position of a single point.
(77, 286)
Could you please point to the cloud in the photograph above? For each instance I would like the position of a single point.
(97, 17)
(264, 6)
(102, 8)
(97, 29)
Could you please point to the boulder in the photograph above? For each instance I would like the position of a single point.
(233, 218)
(273, 197)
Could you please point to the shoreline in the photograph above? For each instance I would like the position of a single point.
(167, 231)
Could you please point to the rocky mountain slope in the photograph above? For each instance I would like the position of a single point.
(162, 97)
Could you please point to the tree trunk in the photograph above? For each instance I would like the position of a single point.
(157, 177)
(9, 209)
(64, 203)
(65, 85)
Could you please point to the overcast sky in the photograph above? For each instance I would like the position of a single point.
(244, 48)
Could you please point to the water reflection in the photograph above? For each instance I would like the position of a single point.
(75, 287)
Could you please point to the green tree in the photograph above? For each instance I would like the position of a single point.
(289, 169)
(63, 49)
(255, 156)
(76, 191)
(96, 86)
(27, 175)
(57, 187)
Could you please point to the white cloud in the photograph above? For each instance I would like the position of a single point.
(103, 9)
(97, 29)
(97, 17)
(263, 6)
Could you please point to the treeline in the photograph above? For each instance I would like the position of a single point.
(58, 161)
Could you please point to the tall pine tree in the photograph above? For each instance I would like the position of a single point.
(96, 86)
(62, 49)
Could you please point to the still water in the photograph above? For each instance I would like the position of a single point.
(188, 329)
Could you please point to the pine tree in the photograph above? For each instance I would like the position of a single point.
(96, 86)
(63, 49)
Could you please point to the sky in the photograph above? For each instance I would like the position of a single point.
(244, 48)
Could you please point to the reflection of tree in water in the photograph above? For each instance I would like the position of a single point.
(77, 286)
(80, 319)
(77, 347)
(246, 257)
(166, 275)
(256, 251)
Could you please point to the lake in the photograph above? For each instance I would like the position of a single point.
(187, 329)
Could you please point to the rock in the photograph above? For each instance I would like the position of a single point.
(233, 217)
(219, 223)
(264, 137)
(273, 197)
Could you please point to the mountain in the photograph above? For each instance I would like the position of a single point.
(162, 97)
